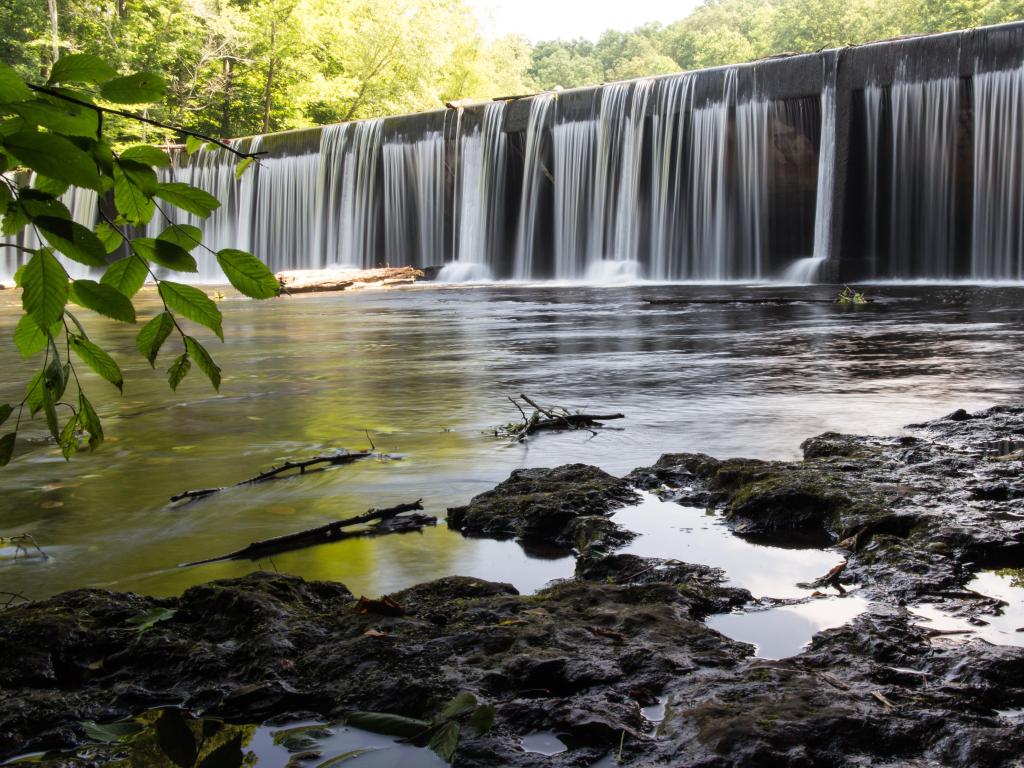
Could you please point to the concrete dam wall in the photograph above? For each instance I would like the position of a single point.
(895, 160)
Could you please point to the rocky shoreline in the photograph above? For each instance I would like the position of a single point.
(916, 516)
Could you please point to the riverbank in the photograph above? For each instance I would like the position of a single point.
(917, 517)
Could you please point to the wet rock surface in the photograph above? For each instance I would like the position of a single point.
(916, 515)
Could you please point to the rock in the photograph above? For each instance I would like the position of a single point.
(566, 506)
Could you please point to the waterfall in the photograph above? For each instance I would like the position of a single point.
(826, 175)
(922, 215)
(414, 179)
(573, 149)
(872, 149)
(668, 134)
(534, 176)
(752, 149)
(480, 191)
(997, 237)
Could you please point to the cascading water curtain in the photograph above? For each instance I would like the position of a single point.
(668, 135)
(534, 176)
(922, 215)
(873, 95)
(826, 174)
(480, 189)
(752, 189)
(997, 238)
(414, 178)
(573, 149)
(709, 205)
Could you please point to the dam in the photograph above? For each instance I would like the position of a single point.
(896, 160)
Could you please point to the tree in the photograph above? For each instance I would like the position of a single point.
(52, 138)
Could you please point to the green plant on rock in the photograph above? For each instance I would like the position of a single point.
(52, 140)
(848, 297)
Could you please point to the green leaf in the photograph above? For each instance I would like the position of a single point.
(445, 740)
(175, 738)
(389, 725)
(193, 144)
(126, 275)
(482, 718)
(60, 117)
(48, 186)
(183, 235)
(110, 732)
(462, 703)
(248, 274)
(140, 88)
(131, 202)
(44, 288)
(54, 156)
(12, 87)
(68, 439)
(34, 393)
(73, 240)
(193, 304)
(5, 413)
(202, 359)
(139, 174)
(81, 68)
(147, 155)
(29, 337)
(188, 198)
(242, 166)
(153, 335)
(165, 253)
(178, 371)
(227, 755)
(7, 448)
(98, 360)
(104, 299)
(90, 421)
(109, 236)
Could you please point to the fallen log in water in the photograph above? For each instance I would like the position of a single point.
(388, 522)
(548, 419)
(316, 280)
(333, 459)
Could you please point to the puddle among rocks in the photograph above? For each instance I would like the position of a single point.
(170, 737)
(784, 631)
(674, 532)
(543, 743)
(1003, 628)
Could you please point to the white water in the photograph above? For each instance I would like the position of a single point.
(414, 176)
(803, 271)
(997, 240)
(464, 272)
(534, 177)
(481, 188)
(826, 173)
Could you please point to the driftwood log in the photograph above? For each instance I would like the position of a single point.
(388, 521)
(318, 280)
(329, 460)
(554, 418)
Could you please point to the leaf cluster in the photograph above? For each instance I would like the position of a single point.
(52, 140)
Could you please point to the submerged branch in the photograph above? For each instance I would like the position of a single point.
(333, 459)
(388, 522)
(547, 419)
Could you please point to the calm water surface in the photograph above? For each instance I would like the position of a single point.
(426, 371)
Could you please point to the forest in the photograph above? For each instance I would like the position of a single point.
(240, 67)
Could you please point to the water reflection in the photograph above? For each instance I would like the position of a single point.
(674, 532)
(784, 631)
(1003, 628)
(426, 371)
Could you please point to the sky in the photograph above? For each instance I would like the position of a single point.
(549, 19)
